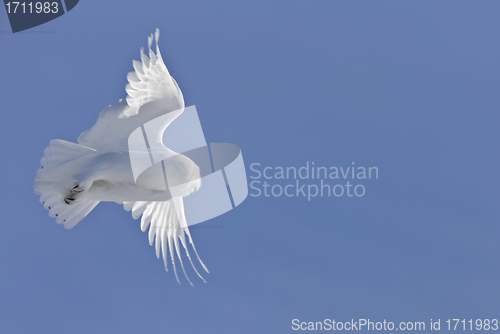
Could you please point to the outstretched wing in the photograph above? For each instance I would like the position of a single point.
(152, 92)
(150, 80)
(166, 229)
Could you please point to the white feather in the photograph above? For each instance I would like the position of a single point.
(74, 178)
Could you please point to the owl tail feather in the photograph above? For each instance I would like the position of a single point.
(54, 178)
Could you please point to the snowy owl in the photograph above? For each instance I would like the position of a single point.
(74, 178)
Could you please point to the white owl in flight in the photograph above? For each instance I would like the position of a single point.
(74, 178)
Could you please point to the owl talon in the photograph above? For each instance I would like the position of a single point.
(78, 189)
(68, 200)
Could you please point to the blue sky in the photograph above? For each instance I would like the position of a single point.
(410, 87)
